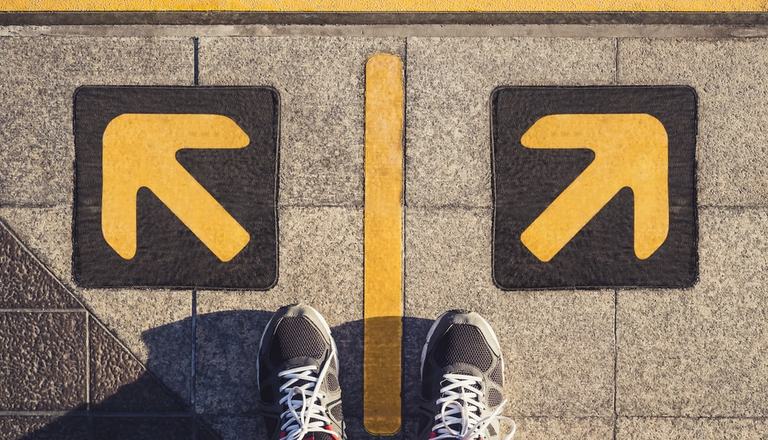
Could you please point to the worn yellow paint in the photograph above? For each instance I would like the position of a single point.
(383, 244)
(391, 5)
(631, 151)
(139, 151)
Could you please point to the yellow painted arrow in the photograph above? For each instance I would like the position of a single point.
(631, 151)
(139, 151)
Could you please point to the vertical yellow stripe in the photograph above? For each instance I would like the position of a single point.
(383, 231)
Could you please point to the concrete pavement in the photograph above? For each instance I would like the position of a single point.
(600, 364)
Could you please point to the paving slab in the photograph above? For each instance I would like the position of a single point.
(701, 352)
(558, 345)
(321, 85)
(236, 428)
(43, 427)
(44, 358)
(729, 76)
(24, 283)
(545, 428)
(321, 264)
(65, 361)
(142, 428)
(450, 80)
(118, 382)
(691, 429)
(38, 78)
(154, 324)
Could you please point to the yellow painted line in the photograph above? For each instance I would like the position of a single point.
(391, 5)
(383, 244)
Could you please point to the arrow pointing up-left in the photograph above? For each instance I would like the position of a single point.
(139, 151)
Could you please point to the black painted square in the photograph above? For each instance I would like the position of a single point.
(167, 252)
(526, 181)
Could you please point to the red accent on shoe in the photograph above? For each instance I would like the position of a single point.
(432, 434)
(330, 428)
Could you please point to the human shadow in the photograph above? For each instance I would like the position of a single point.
(224, 397)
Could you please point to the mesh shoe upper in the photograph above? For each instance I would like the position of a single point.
(297, 352)
(461, 366)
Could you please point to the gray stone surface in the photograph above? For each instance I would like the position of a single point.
(544, 428)
(237, 428)
(118, 382)
(141, 428)
(730, 79)
(321, 85)
(701, 352)
(691, 429)
(558, 345)
(450, 81)
(321, 264)
(24, 282)
(43, 358)
(154, 324)
(43, 427)
(38, 77)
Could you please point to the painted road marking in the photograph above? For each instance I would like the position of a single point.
(175, 187)
(579, 171)
(392, 5)
(383, 244)
(140, 152)
(630, 152)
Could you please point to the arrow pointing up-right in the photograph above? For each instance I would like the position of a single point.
(631, 151)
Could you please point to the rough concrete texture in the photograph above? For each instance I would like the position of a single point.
(321, 85)
(691, 429)
(558, 345)
(236, 428)
(543, 428)
(60, 428)
(701, 352)
(154, 324)
(38, 77)
(43, 358)
(321, 264)
(24, 283)
(730, 79)
(450, 80)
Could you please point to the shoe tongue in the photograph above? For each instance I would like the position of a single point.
(462, 368)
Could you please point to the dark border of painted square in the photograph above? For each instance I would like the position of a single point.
(278, 124)
(696, 239)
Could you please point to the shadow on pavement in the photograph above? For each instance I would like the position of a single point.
(225, 390)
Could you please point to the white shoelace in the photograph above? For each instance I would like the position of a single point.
(460, 406)
(305, 415)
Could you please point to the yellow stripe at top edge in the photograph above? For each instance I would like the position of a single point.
(388, 5)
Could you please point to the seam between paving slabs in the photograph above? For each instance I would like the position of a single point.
(615, 361)
(87, 381)
(616, 61)
(89, 315)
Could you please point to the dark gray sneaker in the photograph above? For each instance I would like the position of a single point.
(462, 380)
(298, 370)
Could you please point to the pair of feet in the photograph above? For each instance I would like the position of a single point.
(462, 378)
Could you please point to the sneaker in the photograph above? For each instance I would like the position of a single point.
(298, 370)
(462, 380)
